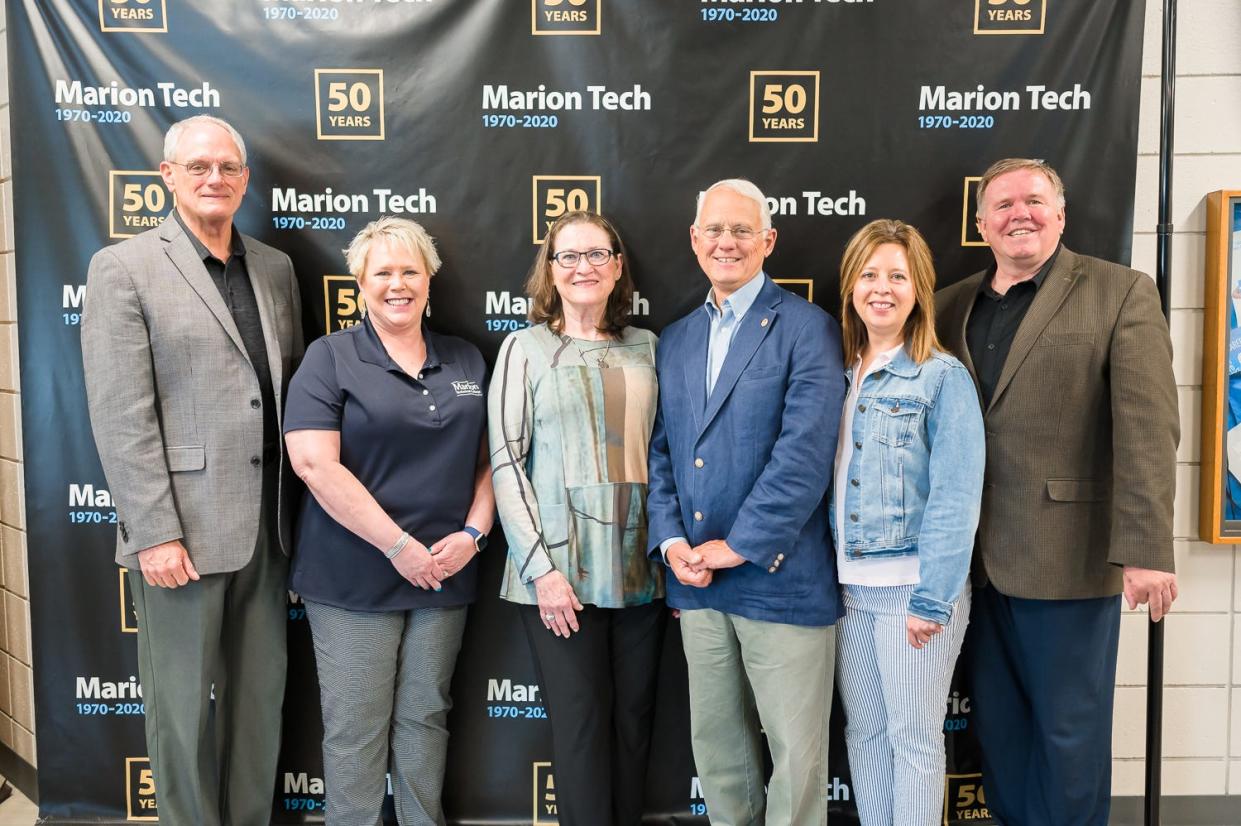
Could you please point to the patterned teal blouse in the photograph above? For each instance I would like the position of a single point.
(570, 421)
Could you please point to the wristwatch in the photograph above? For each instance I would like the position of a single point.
(480, 538)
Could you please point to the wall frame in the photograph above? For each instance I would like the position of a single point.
(1219, 498)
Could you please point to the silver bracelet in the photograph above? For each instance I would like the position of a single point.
(398, 546)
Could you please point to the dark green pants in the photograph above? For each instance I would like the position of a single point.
(222, 635)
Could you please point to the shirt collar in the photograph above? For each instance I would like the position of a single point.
(1038, 279)
(236, 245)
(372, 351)
(740, 301)
(896, 361)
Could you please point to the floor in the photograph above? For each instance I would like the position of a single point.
(18, 811)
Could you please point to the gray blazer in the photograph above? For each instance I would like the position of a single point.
(169, 386)
(1081, 433)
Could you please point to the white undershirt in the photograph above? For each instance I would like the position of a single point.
(897, 570)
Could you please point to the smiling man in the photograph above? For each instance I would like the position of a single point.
(1074, 369)
(750, 391)
(190, 334)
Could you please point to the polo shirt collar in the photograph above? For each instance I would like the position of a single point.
(372, 351)
(1038, 279)
(236, 245)
(740, 301)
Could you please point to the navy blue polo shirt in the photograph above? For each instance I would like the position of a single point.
(412, 441)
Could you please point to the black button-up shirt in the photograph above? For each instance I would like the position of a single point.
(232, 279)
(993, 324)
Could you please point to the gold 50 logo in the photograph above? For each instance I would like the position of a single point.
(964, 798)
(800, 286)
(133, 15)
(129, 616)
(554, 195)
(784, 107)
(349, 104)
(970, 236)
(564, 16)
(544, 796)
(1009, 16)
(140, 789)
(137, 201)
(343, 304)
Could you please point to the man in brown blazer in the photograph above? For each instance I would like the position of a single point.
(1073, 363)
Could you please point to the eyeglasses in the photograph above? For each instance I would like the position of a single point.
(200, 169)
(740, 232)
(570, 258)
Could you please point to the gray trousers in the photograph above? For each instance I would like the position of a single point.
(383, 684)
(747, 678)
(225, 631)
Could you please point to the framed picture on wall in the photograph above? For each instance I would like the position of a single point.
(1219, 502)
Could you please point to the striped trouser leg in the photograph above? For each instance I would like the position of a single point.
(894, 697)
(428, 656)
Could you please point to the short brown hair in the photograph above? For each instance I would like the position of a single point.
(545, 306)
(920, 339)
(1012, 165)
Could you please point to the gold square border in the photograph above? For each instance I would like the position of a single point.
(534, 796)
(534, 198)
(809, 282)
(965, 213)
(112, 233)
(818, 112)
(534, 23)
(1042, 24)
(129, 798)
(948, 778)
(319, 109)
(126, 628)
(103, 26)
(327, 296)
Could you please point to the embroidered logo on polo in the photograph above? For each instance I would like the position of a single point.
(466, 387)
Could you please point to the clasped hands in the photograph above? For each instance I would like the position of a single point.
(428, 567)
(696, 566)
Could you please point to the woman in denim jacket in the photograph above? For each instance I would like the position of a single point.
(908, 484)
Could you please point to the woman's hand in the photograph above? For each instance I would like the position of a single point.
(558, 604)
(453, 552)
(416, 564)
(919, 631)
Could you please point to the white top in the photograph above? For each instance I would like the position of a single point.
(893, 570)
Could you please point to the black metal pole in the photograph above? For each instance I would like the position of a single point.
(1163, 269)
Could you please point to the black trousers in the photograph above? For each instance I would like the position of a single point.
(598, 687)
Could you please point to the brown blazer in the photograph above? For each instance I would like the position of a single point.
(1081, 433)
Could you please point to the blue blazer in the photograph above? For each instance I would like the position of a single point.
(766, 439)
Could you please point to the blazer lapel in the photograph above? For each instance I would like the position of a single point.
(187, 262)
(960, 344)
(1047, 302)
(695, 364)
(754, 327)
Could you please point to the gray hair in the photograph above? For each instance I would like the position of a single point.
(1007, 165)
(402, 231)
(173, 136)
(743, 188)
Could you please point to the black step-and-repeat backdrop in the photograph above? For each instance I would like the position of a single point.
(484, 120)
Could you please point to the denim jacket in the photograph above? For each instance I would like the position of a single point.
(915, 478)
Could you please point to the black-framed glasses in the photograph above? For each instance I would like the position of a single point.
(199, 169)
(740, 231)
(596, 257)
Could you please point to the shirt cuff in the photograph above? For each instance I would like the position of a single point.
(668, 543)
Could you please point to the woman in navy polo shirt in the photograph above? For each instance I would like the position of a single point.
(571, 410)
(385, 423)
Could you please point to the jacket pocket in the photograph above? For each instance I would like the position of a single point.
(894, 420)
(1076, 490)
(193, 457)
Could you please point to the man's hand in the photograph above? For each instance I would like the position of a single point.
(687, 567)
(716, 555)
(167, 565)
(453, 552)
(1158, 588)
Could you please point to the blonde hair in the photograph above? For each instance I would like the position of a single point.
(919, 332)
(401, 231)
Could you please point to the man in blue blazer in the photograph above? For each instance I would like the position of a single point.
(751, 387)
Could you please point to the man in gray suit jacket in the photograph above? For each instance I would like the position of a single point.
(190, 334)
(1074, 369)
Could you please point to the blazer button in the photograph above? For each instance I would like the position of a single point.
(256, 461)
(778, 558)
(698, 462)
(255, 403)
(697, 516)
(853, 517)
(776, 563)
(771, 570)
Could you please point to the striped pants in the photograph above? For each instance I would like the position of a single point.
(383, 684)
(894, 697)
